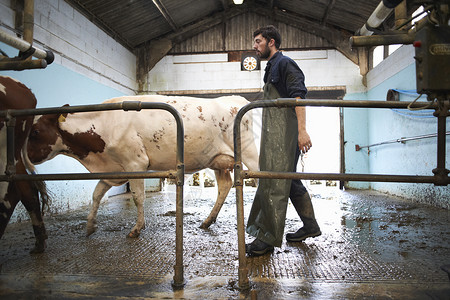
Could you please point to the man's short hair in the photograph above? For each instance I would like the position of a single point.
(269, 32)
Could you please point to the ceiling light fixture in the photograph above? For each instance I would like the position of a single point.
(237, 2)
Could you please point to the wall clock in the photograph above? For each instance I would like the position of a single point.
(250, 62)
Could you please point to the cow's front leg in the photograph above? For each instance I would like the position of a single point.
(224, 184)
(100, 190)
(137, 190)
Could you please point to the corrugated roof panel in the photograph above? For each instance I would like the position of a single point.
(188, 11)
(351, 14)
(310, 9)
(139, 21)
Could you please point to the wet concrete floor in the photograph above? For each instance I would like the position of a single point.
(373, 246)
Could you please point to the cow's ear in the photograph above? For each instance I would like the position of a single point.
(62, 117)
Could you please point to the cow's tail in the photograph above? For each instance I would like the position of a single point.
(40, 185)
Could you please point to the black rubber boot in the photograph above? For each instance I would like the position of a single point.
(258, 248)
(305, 210)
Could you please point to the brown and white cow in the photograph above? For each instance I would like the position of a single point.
(15, 95)
(117, 141)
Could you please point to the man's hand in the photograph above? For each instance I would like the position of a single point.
(304, 141)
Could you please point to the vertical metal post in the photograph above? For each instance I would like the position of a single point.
(178, 278)
(243, 270)
(239, 184)
(401, 13)
(341, 146)
(28, 21)
(441, 173)
(10, 143)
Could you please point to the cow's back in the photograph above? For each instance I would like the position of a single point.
(15, 95)
(134, 139)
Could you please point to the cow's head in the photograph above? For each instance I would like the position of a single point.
(56, 134)
(45, 141)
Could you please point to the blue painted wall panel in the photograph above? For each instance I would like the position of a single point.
(370, 126)
(53, 87)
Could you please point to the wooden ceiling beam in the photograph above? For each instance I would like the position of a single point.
(205, 24)
(338, 38)
(165, 13)
(330, 6)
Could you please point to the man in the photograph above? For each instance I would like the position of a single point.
(283, 139)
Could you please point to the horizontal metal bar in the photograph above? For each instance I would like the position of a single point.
(19, 65)
(343, 103)
(90, 176)
(125, 105)
(342, 176)
(377, 40)
(401, 140)
(281, 102)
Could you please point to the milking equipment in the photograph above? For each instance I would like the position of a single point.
(430, 37)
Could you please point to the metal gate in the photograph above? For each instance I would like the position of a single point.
(440, 177)
(177, 174)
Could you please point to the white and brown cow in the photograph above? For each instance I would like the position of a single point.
(15, 95)
(118, 141)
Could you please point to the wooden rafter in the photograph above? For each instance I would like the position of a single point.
(162, 9)
(330, 6)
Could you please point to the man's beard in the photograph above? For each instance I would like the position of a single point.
(265, 53)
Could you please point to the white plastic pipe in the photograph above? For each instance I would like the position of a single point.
(24, 46)
(376, 18)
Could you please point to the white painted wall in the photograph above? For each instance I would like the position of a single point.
(206, 72)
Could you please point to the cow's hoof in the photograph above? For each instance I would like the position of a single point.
(206, 224)
(39, 247)
(91, 227)
(133, 235)
(90, 230)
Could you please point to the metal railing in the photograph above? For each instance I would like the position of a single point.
(178, 173)
(440, 173)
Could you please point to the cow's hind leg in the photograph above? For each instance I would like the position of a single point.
(32, 205)
(8, 201)
(100, 190)
(224, 184)
(29, 195)
(137, 190)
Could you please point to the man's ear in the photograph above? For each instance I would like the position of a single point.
(271, 43)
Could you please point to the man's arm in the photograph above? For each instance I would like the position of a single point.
(295, 86)
(304, 141)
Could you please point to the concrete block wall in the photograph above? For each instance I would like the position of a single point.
(214, 72)
(89, 67)
(78, 44)
(200, 72)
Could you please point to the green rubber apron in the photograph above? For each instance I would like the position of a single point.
(278, 145)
